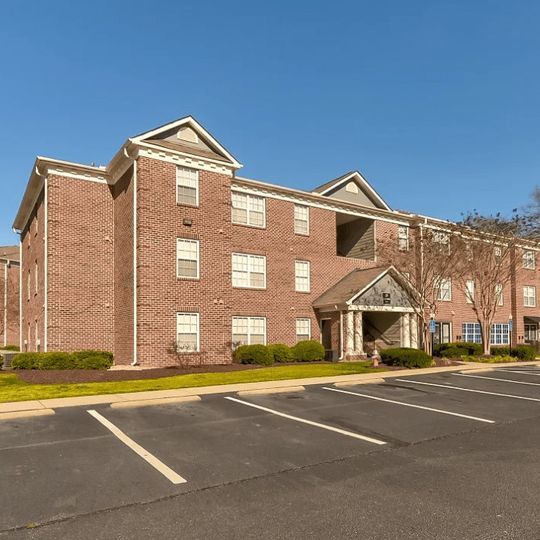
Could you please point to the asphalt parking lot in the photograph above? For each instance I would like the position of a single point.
(433, 457)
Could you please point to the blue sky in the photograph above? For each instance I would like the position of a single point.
(436, 103)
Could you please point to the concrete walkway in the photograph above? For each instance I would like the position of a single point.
(17, 409)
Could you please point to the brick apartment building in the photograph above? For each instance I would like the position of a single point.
(168, 245)
(9, 295)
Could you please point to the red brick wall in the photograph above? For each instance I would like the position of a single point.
(123, 268)
(9, 315)
(33, 250)
(81, 300)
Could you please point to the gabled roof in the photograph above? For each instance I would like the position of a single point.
(355, 284)
(215, 149)
(333, 185)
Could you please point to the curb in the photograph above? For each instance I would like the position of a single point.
(156, 397)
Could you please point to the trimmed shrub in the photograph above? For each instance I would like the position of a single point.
(308, 351)
(456, 349)
(521, 352)
(490, 359)
(253, 354)
(405, 357)
(10, 348)
(63, 360)
(281, 352)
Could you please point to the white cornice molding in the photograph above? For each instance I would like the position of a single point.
(183, 159)
(100, 178)
(316, 201)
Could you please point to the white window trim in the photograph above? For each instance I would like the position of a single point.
(197, 243)
(36, 278)
(527, 296)
(469, 291)
(249, 318)
(197, 186)
(405, 237)
(248, 197)
(249, 256)
(439, 289)
(499, 294)
(529, 259)
(308, 276)
(178, 313)
(308, 319)
(307, 219)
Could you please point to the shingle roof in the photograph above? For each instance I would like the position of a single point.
(324, 187)
(350, 285)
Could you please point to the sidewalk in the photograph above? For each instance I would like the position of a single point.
(19, 409)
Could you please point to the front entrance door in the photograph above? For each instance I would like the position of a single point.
(326, 337)
(442, 333)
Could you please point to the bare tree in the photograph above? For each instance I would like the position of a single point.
(9, 309)
(530, 222)
(426, 259)
(490, 246)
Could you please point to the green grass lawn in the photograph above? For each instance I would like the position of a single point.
(14, 389)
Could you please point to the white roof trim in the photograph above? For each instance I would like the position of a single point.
(363, 183)
(369, 285)
(201, 132)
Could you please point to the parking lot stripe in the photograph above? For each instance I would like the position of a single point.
(520, 371)
(450, 387)
(139, 450)
(309, 422)
(497, 379)
(410, 405)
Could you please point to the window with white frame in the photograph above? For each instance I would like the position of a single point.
(187, 186)
(443, 239)
(444, 289)
(403, 237)
(187, 332)
(248, 331)
(531, 332)
(301, 219)
(469, 291)
(529, 296)
(500, 333)
(248, 271)
(187, 258)
(303, 329)
(529, 259)
(497, 250)
(499, 294)
(301, 276)
(248, 209)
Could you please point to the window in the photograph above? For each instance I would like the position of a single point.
(248, 331)
(248, 210)
(187, 332)
(499, 294)
(443, 239)
(444, 290)
(301, 219)
(500, 333)
(36, 278)
(28, 285)
(248, 271)
(303, 329)
(187, 186)
(469, 291)
(529, 296)
(529, 259)
(403, 238)
(498, 252)
(301, 276)
(187, 258)
(531, 332)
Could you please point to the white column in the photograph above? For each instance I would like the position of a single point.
(414, 330)
(358, 333)
(406, 329)
(349, 332)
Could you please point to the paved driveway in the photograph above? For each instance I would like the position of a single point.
(436, 457)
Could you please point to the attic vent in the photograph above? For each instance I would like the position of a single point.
(351, 187)
(187, 134)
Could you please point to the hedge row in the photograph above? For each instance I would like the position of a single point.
(88, 359)
(521, 352)
(464, 348)
(266, 355)
(405, 357)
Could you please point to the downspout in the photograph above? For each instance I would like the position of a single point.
(46, 267)
(341, 348)
(20, 292)
(5, 301)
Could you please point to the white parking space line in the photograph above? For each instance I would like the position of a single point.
(450, 387)
(139, 450)
(520, 371)
(309, 422)
(496, 379)
(410, 405)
